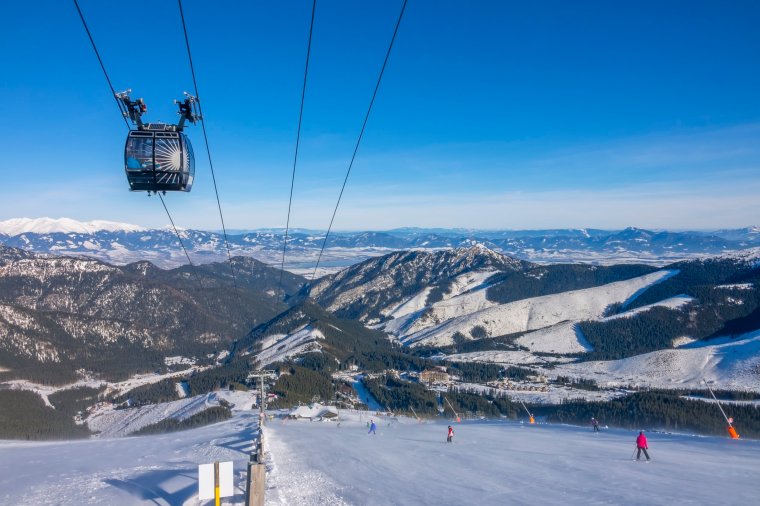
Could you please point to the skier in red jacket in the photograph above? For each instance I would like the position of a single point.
(641, 444)
(450, 435)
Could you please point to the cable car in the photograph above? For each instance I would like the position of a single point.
(158, 157)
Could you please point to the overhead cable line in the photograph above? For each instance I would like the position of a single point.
(243, 306)
(113, 93)
(205, 138)
(359, 140)
(298, 141)
(126, 123)
(100, 60)
(181, 242)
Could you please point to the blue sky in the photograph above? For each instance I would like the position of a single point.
(491, 114)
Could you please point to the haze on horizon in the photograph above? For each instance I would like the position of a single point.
(492, 116)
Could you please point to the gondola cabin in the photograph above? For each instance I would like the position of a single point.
(157, 158)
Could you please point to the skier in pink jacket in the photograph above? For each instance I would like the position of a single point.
(641, 444)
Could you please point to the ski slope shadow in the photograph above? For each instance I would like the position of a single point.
(241, 441)
(160, 486)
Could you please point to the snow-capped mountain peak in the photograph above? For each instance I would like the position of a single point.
(18, 226)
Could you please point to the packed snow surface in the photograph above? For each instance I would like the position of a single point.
(318, 463)
(497, 463)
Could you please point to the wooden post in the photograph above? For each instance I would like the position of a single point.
(217, 498)
(255, 488)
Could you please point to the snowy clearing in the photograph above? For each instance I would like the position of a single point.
(117, 388)
(508, 357)
(110, 422)
(279, 347)
(732, 364)
(672, 303)
(562, 338)
(534, 313)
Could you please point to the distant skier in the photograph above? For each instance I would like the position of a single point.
(372, 428)
(642, 446)
(595, 424)
(450, 435)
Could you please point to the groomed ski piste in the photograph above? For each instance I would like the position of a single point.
(407, 462)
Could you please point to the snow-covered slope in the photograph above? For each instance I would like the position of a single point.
(497, 463)
(279, 347)
(109, 422)
(562, 338)
(150, 470)
(731, 363)
(533, 313)
(18, 226)
(670, 303)
(406, 463)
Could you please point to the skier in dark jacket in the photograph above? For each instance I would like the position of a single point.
(372, 428)
(595, 424)
(450, 435)
(641, 444)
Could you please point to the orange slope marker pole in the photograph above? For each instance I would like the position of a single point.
(530, 415)
(731, 430)
(459, 419)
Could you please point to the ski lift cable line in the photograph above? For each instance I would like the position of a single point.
(113, 93)
(298, 141)
(181, 242)
(100, 60)
(359, 139)
(126, 122)
(205, 139)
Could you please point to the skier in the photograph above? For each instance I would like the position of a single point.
(595, 424)
(642, 446)
(450, 435)
(372, 428)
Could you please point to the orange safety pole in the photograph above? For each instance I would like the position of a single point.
(731, 430)
(530, 415)
(459, 419)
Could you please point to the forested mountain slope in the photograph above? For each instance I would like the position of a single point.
(60, 314)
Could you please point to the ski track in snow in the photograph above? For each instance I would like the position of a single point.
(497, 463)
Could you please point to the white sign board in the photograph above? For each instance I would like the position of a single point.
(206, 480)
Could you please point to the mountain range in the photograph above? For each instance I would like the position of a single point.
(123, 243)
(63, 314)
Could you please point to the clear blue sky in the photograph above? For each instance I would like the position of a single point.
(491, 114)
